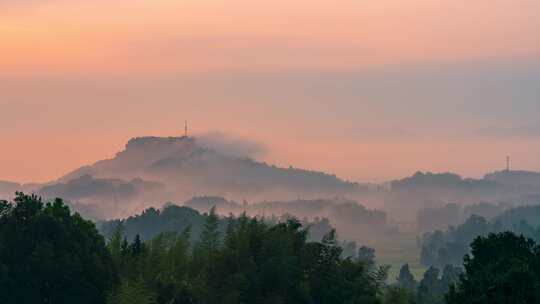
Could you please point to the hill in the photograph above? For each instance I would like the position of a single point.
(516, 178)
(188, 168)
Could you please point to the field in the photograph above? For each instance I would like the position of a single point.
(396, 251)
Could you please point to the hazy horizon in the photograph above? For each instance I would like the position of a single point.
(369, 91)
(258, 151)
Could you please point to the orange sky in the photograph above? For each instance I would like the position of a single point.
(384, 83)
(193, 35)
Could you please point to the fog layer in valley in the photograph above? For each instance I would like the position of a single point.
(153, 170)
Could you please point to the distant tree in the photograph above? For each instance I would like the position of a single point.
(429, 289)
(443, 248)
(136, 247)
(450, 276)
(152, 222)
(48, 255)
(206, 254)
(350, 250)
(210, 236)
(115, 244)
(366, 255)
(405, 279)
(318, 228)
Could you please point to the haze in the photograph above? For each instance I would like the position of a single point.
(369, 90)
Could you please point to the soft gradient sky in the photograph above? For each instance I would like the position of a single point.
(369, 90)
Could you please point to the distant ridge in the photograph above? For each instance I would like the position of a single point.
(151, 170)
(510, 177)
(187, 167)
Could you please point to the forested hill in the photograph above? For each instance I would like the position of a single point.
(522, 178)
(158, 169)
(181, 159)
(440, 248)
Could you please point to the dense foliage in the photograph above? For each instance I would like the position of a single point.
(251, 262)
(430, 290)
(48, 255)
(350, 218)
(502, 268)
(151, 222)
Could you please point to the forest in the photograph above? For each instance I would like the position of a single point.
(50, 255)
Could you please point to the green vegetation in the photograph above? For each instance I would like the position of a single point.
(503, 268)
(251, 262)
(48, 255)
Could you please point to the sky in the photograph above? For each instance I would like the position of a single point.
(368, 90)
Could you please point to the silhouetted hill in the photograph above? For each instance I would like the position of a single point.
(188, 168)
(205, 203)
(435, 190)
(516, 178)
(105, 197)
(442, 181)
(8, 189)
(152, 222)
(86, 187)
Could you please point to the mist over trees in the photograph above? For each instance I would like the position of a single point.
(153, 222)
(440, 218)
(350, 218)
(178, 255)
(151, 170)
(66, 261)
(251, 262)
(248, 232)
(440, 248)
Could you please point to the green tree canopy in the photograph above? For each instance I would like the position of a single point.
(48, 255)
(502, 268)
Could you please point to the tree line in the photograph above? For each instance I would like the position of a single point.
(50, 255)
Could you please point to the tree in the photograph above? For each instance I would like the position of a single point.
(429, 289)
(398, 295)
(450, 276)
(254, 261)
(205, 259)
(137, 247)
(115, 244)
(366, 255)
(132, 292)
(502, 268)
(49, 255)
(210, 236)
(405, 279)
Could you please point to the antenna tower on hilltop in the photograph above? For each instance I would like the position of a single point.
(507, 163)
(185, 129)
